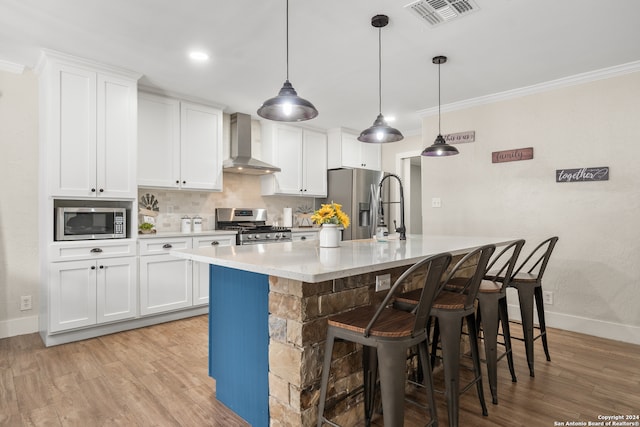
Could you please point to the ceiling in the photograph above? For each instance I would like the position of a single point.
(333, 49)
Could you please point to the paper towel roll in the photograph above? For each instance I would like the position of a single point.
(287, 217)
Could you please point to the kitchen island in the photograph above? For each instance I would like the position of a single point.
(268, 312)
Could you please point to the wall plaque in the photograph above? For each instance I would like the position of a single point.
(582, 174)
(460, 137)
(512, 155)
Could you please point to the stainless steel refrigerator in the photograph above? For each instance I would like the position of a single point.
(357, 191)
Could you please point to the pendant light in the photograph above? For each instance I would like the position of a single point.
(380, 131)
(287, 106)
(440, 146)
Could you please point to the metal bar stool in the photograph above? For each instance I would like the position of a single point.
(450, 309)
(529, 286)
(386, 334)
(492, 312)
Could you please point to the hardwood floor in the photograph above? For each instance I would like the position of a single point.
(157, 376)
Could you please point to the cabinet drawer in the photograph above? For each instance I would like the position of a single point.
(70, 251)
(221, 240)
(163, 245)
(297, 236)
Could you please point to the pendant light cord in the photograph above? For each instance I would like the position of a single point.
(287, 40)
(380, 70)
(439, 131)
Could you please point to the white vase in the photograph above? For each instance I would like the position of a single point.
(329, 236)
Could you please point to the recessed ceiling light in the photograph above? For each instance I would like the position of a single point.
(198, 56)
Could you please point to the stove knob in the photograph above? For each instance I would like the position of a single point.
(249, 237)
(279, 236)
(267, 236)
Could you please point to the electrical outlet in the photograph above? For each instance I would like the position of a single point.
(25, 302)
(436, 202)
(383, 282)
(547, 297)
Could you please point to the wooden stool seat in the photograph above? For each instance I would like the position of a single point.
(450, 301)
(391, 322)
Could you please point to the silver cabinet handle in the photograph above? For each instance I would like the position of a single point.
(96, 250)
(215, 243)
(303, 238)
(167, 246)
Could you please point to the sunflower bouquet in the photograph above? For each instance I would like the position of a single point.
(331, 213)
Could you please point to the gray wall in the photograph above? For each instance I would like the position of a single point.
(594, 274)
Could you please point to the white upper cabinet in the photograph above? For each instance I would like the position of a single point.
(179, 144)
(345, 151)
(302, 156)
(88, 135)
(158, 141)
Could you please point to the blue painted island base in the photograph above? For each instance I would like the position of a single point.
(239, 341)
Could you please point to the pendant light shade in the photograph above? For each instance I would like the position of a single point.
(440, 146)
(287, 106)
(380, 131)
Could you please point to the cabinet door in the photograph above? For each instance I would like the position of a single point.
(200, 147)
(116, 289)
(165, 283)
(351, 151)
(371, 156)
(116, 137)
(158, 141)
(314, 151)
(72, 295)
(288, 146)
(72, 154)
(201, 269)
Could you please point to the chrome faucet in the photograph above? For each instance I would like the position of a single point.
(402, 229)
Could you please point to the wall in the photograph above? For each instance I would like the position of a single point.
(594, 273)
(239, 191)
(19, 271)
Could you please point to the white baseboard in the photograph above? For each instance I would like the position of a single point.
(20, 326)
(598, 328)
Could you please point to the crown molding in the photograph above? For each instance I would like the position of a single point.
(11, 67)
(577, 79)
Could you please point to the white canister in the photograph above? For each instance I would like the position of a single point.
(197, 224)
(185, 224)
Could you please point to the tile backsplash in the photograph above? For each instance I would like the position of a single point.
(239, 191)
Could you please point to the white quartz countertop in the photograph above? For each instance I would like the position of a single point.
(307, 262)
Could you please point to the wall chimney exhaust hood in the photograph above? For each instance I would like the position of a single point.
(241, 160)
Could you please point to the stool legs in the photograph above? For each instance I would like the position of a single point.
(370, 373)
(506, 332)
(326, 366)
(492, 310)
(527, 294)
(450, 335)
(541, 321)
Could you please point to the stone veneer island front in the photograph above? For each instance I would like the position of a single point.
(268, 312)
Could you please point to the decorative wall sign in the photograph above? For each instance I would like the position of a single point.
(582, 174)
(512, 155)
(460, 137)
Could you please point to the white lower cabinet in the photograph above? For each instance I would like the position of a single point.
(89, 292)
(297, 236)
(201, 269)
(165, 283)
(168, 283)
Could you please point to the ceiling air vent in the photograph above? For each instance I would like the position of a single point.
(436, 12)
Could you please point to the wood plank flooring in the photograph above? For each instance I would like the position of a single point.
(157, 376)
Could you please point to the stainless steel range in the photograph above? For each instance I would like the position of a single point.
(251, 225)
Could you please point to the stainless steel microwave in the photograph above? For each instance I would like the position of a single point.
(76, 223)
